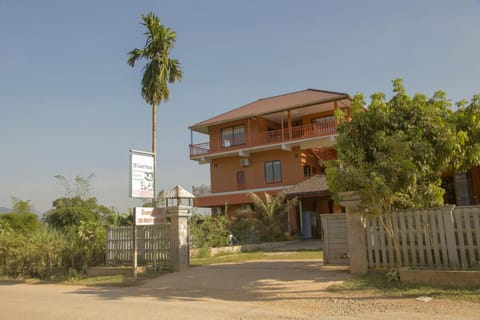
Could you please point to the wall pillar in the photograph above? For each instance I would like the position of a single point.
(179, 236)
(357, 244)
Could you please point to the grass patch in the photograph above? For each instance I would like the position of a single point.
(257, 255)
(101, 281)
(376, 282)
(117, 281)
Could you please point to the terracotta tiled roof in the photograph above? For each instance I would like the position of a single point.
(274, 104)
(316, 183)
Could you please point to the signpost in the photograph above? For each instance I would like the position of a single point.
(146, 216)
(142, 185)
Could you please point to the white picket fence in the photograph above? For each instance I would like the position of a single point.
(447, 236)
(153, 245)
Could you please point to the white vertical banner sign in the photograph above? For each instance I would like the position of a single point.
(142, 177)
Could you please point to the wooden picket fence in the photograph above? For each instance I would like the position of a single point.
(153, 245)
(442, 237)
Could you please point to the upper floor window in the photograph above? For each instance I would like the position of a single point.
(233, 136)
(324, 120)
(273, 171)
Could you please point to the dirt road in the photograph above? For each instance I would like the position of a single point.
(248, 290)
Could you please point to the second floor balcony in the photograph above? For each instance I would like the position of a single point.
(283, 138)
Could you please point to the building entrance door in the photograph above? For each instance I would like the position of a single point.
(307, 224)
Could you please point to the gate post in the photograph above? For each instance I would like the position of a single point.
(357, 244)
(179, 237)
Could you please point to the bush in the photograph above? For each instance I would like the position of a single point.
(21, 222)
(84, 246)
(244, 230)
(37, 254)
(207, 231)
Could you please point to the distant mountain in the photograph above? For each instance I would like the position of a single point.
(8, 210)
(5, 210)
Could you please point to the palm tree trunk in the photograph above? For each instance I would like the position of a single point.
(154, 150)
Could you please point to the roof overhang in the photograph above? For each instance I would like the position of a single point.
(272, 114)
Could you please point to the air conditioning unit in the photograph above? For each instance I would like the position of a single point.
(244, 162)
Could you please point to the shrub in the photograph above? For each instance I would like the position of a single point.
(208, 231)
(37, 254)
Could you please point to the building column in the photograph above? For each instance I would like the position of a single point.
(179, 237)
(357, 243)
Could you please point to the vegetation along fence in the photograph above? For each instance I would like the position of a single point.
(442, 237)
(153, 245)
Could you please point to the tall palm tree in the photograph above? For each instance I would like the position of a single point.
(159, 69)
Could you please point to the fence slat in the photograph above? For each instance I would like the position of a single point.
(442, 236)
(419, 239)
(427, 234)
(153, 244)
(476, 223)
(370, 253)
(460, 236)
(469, 230)
(404, 244)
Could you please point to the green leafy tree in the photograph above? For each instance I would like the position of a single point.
(21, 219)
(160, 69)
(76, 187)
(270, 212)
(467, 119)
(394, 152)
(71, 212)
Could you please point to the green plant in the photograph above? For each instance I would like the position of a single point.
(244, 229)
(208, 231)
(38, 254)
(270, 212)
(393, 275)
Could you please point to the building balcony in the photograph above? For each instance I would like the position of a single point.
(305, 136)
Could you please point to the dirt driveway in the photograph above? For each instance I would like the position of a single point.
(247, 290)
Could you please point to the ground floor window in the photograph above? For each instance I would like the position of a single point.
(241, 179)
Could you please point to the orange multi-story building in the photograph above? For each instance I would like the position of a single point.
(281, 143)
(269, 145)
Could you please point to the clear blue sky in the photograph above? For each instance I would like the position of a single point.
(70, 104)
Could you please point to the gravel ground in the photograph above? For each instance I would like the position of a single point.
(295, 289)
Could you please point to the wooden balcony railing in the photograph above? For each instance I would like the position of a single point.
(269, 137)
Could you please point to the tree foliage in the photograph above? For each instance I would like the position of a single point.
(21, 219)
(71, 212)
(160, 69)
(394, 152)
(76, 187)
(82, 221)
(467, 119)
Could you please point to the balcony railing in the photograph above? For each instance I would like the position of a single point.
(269, 137)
